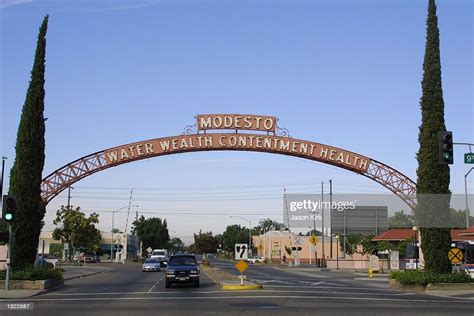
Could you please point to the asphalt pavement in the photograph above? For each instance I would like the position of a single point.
(126, 290)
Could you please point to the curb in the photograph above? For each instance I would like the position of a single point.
(232, 285)
(87, 274)
(238, 287)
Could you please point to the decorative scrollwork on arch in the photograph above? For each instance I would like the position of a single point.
(190, 129)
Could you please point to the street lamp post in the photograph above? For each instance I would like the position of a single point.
(415, 229)
(337, 252)
(250, 231)
(112, 237)
(465, 191)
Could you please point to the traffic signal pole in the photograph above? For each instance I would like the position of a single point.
(7, 276)
(9, 253)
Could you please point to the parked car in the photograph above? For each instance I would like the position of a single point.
(89, 256)
(40, 261)
(255, 260)
(182, 269)
(151, 264)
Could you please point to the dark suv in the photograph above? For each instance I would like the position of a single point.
(182, 269)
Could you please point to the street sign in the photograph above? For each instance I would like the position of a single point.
(66, 246)
(149, 249)
(394, 260)
(260, 247)
(455, 255)
(469, 158)
(313, 239)
(241, 251)
(241, 266)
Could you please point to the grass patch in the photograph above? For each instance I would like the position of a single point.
(420, 277)
(34, 273)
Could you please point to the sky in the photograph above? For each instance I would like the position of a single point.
(345, 73)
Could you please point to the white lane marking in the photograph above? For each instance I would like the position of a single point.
(247, 291)
(156, 283)
(184, 298)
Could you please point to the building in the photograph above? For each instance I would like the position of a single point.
(130, 242)
(271, 246)
(398, 235)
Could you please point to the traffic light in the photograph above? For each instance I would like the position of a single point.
(445, 148)
(8, 209)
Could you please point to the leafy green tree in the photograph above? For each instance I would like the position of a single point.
(369, 246)
(432, 213)
(401, 220)
(191, 249)
(206, 242)
(354, 240)
(265, 224)
(384, 245)
(56, 249)
(153, 232)
(313, 232)
(458, 219)
(402, 248)
(175, 245)
(73, 227)
(26, 174)
(234, 234)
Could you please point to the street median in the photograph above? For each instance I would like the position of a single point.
(228, 281)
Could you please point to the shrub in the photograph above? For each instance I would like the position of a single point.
(34, 273)
(420, 277)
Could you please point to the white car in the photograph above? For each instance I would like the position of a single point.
(255, 260)
(151, 264)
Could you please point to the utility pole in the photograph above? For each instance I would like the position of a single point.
(7, 276)
(322, 220)
(330, 214)
(1, 181)
(465, 192)
(69, 196)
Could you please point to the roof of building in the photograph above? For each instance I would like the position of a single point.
(400, 234)
(395, 234)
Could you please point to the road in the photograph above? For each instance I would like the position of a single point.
(127, 290)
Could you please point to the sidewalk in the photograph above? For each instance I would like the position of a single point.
(71, 272)
(458, 294)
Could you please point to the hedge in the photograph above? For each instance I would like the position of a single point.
(420, 277)
(34, 273)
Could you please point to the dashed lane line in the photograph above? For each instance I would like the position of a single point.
(156, 283)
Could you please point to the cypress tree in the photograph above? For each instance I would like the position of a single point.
(26, 173)
(432, 213)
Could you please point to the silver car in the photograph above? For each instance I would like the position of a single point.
(151, 264)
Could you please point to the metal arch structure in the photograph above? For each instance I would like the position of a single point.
(65, 176)
(393, 180)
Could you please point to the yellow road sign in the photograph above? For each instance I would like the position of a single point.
(455, 255)
(241, 266)
(260, 247)
(313, 239)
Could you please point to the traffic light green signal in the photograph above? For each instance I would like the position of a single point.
(8, 209)
(445, 148)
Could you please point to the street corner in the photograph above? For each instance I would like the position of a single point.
(19, 294)
(236, 286)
